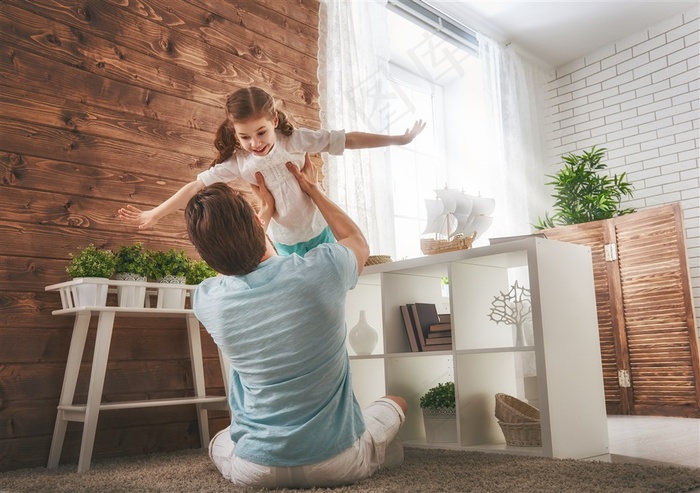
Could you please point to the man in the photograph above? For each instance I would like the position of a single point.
(280, 321)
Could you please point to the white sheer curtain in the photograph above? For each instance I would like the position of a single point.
(514, 117)
(353, 87)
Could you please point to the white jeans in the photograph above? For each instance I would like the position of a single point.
(376, 448)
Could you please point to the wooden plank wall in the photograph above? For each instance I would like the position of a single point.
(104, 103)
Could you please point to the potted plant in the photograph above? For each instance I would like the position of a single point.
(439, 413)
(171, 267)
(135, 265)
(583, 193)
(199, 270)
(92, 266)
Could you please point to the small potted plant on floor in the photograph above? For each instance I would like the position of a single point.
(135, 265)
(171, 267)
(439, 413)
(92, 266)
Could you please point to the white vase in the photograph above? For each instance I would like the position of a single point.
(362, 337)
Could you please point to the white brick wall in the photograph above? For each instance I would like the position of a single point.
(640, 99)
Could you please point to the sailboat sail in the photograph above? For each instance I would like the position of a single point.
(483, 206)
(455, 216)
(481, 224)
(481, 214)
(437, 218)
(448, 212)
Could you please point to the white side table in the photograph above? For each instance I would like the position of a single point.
(88, 413)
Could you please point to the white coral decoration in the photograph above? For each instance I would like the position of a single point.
(513, 307)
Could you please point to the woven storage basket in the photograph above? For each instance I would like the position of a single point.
(522, 434)
(378, 259)
(510, 409)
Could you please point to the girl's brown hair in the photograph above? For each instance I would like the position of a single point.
(224, 229)
(242, 105)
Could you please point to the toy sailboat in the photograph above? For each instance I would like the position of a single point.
(455, 220)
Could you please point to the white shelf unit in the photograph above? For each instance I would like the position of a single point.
(558, 370)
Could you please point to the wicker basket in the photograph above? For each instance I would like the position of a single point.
(378, 259)
(510, 409)
(522, 434)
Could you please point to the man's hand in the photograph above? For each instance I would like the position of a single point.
(307, 177)
(267, 201)
(343, 228)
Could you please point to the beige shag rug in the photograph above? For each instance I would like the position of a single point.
(424, 470)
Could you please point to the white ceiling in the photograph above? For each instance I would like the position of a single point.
(560, 32)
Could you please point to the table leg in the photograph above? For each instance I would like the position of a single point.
(70, 379)
(103, 338)
(195, 342)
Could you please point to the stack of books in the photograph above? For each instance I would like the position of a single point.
(426, 329)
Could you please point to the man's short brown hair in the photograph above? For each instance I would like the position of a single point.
(224, 229)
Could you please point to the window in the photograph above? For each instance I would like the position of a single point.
(437, 82)
(417, 169)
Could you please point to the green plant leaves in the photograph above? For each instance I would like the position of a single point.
(92, 262)
(171, 263)
(442, 395)
(199, 270)
(135, 259)
(583, 194)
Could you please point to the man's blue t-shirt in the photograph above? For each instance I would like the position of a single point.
(282, 327)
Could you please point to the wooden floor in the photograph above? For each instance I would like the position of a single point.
(655, 439)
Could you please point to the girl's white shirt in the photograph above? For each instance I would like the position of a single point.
(296, 218)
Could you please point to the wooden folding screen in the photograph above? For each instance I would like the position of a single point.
(648, 337)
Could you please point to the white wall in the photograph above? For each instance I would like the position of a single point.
(640, 99)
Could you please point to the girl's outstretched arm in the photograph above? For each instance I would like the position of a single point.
(362, 140)
(148, 219)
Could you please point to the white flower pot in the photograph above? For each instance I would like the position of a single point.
(89, 293)
(440, 425)
(172, 297)
(131, 296)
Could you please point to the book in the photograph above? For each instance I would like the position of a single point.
(410, 328)
(438, 335)
(430, 341)
(425, 315)
(445, 318)
(438, 347)
(420, 335)
(440, 327)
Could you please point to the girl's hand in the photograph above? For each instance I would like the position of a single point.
(134, 215)
(413, 132)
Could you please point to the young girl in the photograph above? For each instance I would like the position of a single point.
(258, 138)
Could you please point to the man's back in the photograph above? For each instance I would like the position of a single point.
(282, 327)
